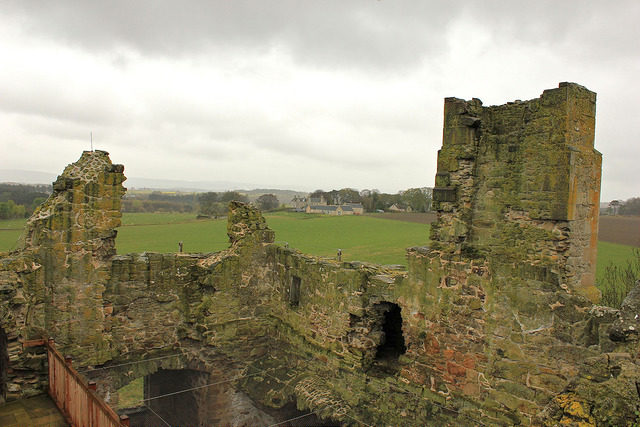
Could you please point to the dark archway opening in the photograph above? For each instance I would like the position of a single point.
(188, 397)
(4, 365)
(173, 397)
(392, 344)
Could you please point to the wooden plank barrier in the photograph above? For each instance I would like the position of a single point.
(78, 400)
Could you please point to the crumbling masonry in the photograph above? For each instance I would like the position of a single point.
(493, 324)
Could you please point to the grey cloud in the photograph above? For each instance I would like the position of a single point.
(367, 33)
(49, 127)
(372, 33)
(56, 106)
(594, 30)
(385, 42)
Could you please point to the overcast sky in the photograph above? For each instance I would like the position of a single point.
(300, 94)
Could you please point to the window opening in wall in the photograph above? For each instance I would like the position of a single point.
(294, 292)
(392, 344)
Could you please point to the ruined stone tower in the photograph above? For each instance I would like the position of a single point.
(520, 184)
(71, 238)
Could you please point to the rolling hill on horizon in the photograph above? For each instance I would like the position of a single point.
(20, 176)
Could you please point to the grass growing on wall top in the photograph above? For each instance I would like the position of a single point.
(131, 395)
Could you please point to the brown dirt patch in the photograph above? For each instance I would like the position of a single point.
(624, 230)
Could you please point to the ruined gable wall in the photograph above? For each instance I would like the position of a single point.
(71, 237)
(52, 282)
(76, 226)
(207, 307)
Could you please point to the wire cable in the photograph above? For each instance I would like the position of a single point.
(200, 387)
(292, 419)
(157, 415)
(129, 363)
(261, 371)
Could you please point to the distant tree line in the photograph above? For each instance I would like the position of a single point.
(418, 199)
(267, 202)
(216, 204)
(159, 201)
(629, 207)
(209, 203)
(20, 200)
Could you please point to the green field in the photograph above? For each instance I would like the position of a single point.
(611, 253)
(161, 233)
(362, 238)
(10, 231)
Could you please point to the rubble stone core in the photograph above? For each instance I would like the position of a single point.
(493, 324)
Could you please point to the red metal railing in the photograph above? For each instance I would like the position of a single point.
(78, 400)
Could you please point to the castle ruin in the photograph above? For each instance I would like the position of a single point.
(493, 324)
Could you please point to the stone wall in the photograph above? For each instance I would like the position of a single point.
(493, 324)
(52, 285)
(520, 183)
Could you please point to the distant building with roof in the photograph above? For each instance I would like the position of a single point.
(346, 209)
(299, 203)
(318, 205)
(398, 207)
(317, 201)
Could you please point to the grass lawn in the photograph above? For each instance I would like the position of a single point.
(144, 232)
(157, 218)
(361, 238)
